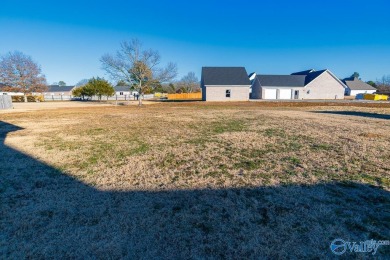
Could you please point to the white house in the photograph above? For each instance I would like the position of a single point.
(277, 86)
(122, 91)
(355, 86)
(308, 84)
(225, 84)
(56, 90)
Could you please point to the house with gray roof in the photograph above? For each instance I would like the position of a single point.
(225, 84)
(355, 86)
(309, 84)
(276, 86)
(56, 90)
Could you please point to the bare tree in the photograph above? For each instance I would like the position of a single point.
(383, 85)
(189, 83)
(138, 67)
(82, 82)
(19, 71)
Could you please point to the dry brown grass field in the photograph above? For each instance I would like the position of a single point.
(193, 180)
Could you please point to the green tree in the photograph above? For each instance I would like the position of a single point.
(138, 67)
(99, 87)
(85, 92)
(95, 87)
(61, 83)
(355, 75)
(78, 92)
(371, 83)
(88, 91)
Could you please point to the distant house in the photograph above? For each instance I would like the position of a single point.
(56, 90)
(355, 86)
(122, 91)
(309, 84)
(225, 84)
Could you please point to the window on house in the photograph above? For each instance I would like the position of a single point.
(228, 93)
(308, 92)
(121, 93)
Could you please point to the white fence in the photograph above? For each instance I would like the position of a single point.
(113, 98)
(5, 102)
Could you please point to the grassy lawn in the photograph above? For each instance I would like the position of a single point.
(193, 180)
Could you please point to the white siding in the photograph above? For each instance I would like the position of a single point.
(218, 93)
(324, 86)
(124, 93)
(355, 92)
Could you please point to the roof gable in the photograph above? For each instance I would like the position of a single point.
(282, 80)
(314, 75)
(311, 75)
(225, 76)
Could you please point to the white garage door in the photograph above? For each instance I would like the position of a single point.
(270, 94)
(284, 93)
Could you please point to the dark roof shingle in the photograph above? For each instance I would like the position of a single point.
(305, 72)
(121, 88)
(56, 88)
(225, 76)
(282, 80)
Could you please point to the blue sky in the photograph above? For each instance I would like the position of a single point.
(67, 38)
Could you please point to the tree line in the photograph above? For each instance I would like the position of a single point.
(132, 65)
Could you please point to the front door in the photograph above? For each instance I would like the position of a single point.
(296, 94)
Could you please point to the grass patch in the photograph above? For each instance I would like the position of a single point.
(227, 126)
(274, 132)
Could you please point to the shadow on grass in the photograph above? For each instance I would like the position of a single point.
(45, 213)
(355, 113)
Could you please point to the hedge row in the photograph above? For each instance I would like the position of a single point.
(29, 99)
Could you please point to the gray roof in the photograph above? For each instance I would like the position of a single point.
(225, 76)
(122, 88)
(282, 80)
(357, 84)
(57, 88)
(312, 75)
(305, 72)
